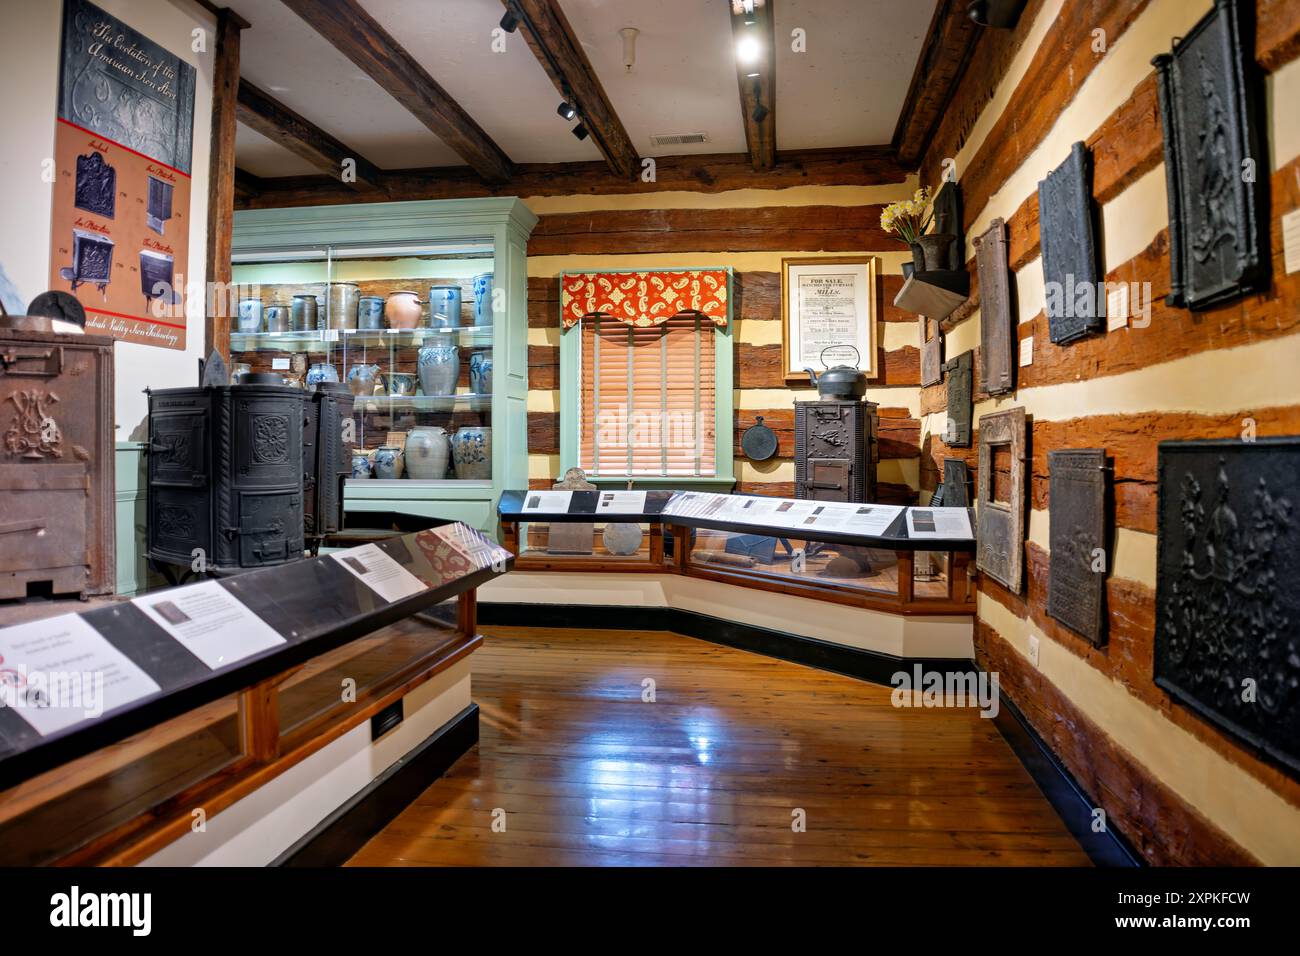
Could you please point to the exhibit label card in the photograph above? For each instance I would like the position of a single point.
(212, 624)
(938, 523)
(621, 502)
(379, 572)
(550, 502)
(57, 672)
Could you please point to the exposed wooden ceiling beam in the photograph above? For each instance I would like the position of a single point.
(757, 78)
(246, 184)
(262, 112)
(553, 42)
(943, 61)
(709, 173)
(359, 37)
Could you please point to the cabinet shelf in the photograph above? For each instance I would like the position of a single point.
(326, 340)
(423, 403)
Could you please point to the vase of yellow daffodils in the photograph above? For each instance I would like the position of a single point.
(908, 220)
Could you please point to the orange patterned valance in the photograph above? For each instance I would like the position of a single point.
(644, 298)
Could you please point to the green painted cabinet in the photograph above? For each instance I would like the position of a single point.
(421, 308)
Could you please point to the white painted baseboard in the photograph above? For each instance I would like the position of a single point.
(895, 634)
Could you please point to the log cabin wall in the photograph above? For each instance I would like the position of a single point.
(1179, 789)
(750, 230)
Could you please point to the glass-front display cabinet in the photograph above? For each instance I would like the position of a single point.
(420, 310)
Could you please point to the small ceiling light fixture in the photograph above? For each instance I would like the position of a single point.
(629, 35)
(509, 22)
(580, 131)
(566, 110)
(748, 49)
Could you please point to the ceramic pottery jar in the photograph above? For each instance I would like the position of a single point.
(439, 368)
(250, 315)
(342, 305)
(480, 373)
(277, 317)
(361, 379)
(388, 462)
(622, 538)
(370, 312)
(471, 451)
(400, 383)
(427, 451)
(361, 465)
(402, 310)
(302, 313)
(444, 306)
(321, 372)
(483, 298)
(934, 245)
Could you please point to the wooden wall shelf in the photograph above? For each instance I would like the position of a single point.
(936, 295)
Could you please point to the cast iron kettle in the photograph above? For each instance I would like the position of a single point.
(843, 383)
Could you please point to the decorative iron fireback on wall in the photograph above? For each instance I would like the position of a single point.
(1076, 578)
(997, 324)
(1227, 639)
(1216, 168)
(1069, 249)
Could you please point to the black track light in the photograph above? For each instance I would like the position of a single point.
(580, 131)
(760, 113)
(509, 22)
(567, 110)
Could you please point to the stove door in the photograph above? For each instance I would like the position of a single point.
(270, 527)
(829, 479)
(43, 527)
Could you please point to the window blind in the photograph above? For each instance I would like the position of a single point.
(647, 398)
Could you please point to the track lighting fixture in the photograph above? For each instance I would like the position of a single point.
(566, 110)
(509, 22)
(580, 131)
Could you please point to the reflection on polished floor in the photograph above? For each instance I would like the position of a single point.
(733, 750)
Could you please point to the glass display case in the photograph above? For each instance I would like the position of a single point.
(420, 309)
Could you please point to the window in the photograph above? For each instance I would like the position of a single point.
(646, 377)
(648, 398)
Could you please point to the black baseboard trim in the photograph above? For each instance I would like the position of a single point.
(850, 661)
(334, 840)
(1107, 848)
(1063, 792)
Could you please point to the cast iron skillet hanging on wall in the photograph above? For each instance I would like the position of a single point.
(758, 441)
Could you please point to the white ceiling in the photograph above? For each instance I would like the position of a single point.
(846, 90)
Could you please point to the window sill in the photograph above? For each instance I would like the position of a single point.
(718, 483)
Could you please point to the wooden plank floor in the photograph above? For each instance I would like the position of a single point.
(712, 771)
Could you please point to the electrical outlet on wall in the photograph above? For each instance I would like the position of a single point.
(1033, 650)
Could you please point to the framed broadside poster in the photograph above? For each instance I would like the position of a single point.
(828, 314)
(122, 151)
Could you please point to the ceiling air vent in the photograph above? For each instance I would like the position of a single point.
(678, 139)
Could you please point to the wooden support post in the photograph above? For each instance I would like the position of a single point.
(467, 612)
(221, 180)
(959, 582)
(904, 576)
(656, 543)
(510, 536)
(259, 720)
(681, 548)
